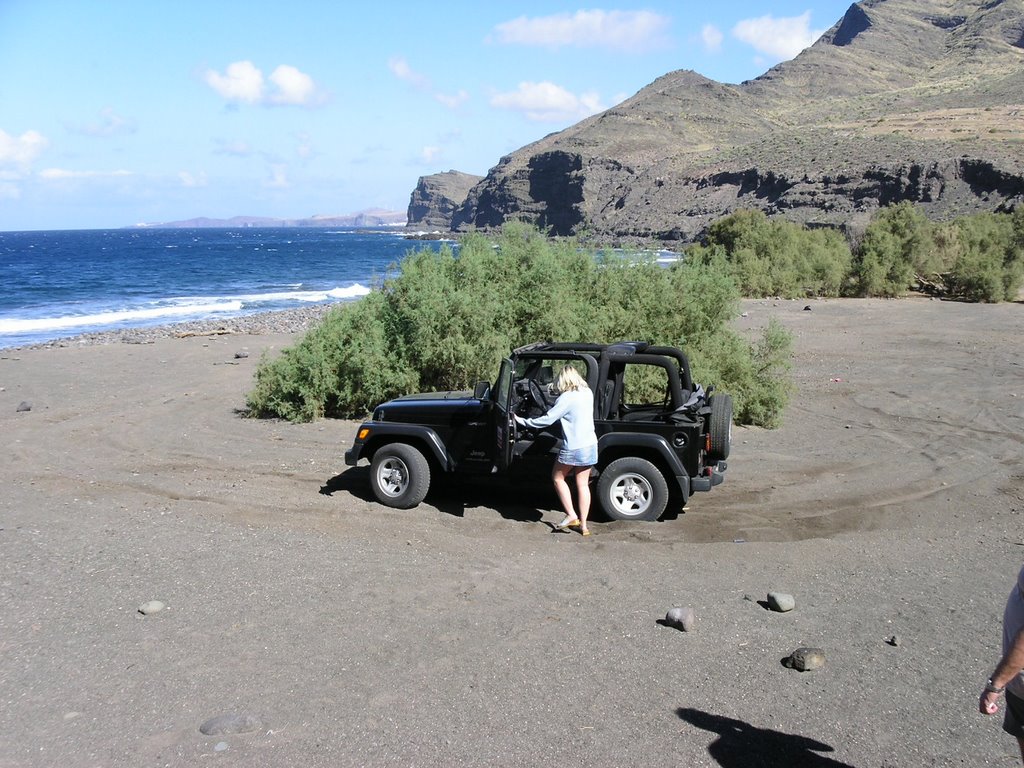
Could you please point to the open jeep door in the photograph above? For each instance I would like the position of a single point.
(504, 419)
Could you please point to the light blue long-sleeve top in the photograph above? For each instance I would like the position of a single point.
(575, 410)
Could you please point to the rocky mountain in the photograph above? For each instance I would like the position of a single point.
(918, 100)
(437, 197)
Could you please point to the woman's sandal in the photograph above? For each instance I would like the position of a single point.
(585, 532)
(566, 524)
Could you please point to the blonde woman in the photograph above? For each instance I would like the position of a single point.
(575, 410)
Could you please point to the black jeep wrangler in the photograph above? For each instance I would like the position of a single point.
(659, 434)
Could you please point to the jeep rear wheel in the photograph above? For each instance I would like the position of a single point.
(632, 488)
(399, 475)
(720, 427)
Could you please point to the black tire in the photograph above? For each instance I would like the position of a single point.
(399, 475)
(720, 427)
(632, 488)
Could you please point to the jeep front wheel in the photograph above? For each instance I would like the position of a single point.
(632, 488)
(400, 475)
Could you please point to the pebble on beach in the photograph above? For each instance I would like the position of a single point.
(805, 659)
(680, 618)
(781, 602)
(24, 406)
(150, 607)
(233, 722)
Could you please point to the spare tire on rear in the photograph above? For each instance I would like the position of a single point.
(720, 427)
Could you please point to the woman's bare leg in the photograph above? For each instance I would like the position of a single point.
(583, 495)
(558, 476)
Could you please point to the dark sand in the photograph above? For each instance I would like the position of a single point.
(463, 632)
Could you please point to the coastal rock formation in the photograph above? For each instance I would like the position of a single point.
(437, 197)
(919, 100)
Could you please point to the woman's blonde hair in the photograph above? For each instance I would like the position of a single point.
(569, 380)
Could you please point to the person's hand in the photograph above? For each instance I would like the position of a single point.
(988, 704)
(519, 420)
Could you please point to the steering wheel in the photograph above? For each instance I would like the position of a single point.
(537, 395)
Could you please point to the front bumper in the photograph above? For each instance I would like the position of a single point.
(352, 454)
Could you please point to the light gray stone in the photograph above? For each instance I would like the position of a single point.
(781, 602)
(150, 607)
(680, 618)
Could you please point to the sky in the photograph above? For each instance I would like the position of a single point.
(115, 113)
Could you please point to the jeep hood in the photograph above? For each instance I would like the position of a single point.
(426, 407)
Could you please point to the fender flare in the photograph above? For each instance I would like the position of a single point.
(406, 433)
(655, 443)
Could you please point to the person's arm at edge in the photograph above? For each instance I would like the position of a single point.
(1008, 668)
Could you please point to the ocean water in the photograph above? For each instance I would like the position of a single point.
(63, 283)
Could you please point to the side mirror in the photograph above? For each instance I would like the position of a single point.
(482, 390)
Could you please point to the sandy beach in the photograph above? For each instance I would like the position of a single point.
(463, 633)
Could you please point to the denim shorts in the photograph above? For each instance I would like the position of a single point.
(581, 457)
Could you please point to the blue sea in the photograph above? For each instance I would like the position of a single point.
(63, 283)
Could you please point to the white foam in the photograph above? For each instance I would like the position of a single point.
(119, 317)
(351, 292)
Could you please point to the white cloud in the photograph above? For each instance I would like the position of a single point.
(400, 68)
(304, 147)
(429, 154)
(780, 38)
(109, 124)
(620, 30)
(452, 101)
(712, 38)
(237, 148)
(63, 174)
(547, 102)
(278, 177)
(192, 181)
(19, 152)
(293, 86)
(243, 82)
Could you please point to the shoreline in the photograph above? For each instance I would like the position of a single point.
(280, 321)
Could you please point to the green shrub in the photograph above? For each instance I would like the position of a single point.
(443, 321)
(989, 260)
(897, 244)
(773, 257)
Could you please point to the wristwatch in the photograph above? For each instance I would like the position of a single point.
(991, 687)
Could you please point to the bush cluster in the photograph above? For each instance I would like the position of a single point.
(975, 258)
(443, 321)
(773, 257)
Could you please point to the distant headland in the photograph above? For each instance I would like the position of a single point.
(373, 217)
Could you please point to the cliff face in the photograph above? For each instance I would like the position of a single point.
(437, 197)
(917, 100)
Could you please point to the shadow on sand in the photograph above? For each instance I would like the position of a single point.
(523, 501)
(741, 745)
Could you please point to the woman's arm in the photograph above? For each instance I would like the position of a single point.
(558, 410)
